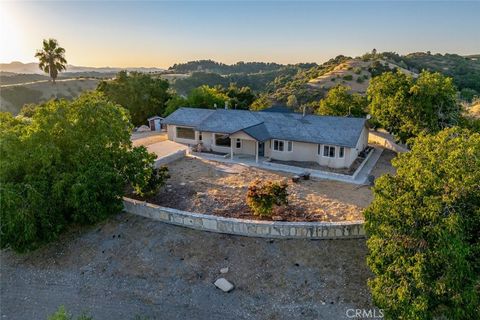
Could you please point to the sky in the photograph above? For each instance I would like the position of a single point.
(161, 33)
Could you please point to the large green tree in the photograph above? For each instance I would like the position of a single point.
(423, 230)
(142, 95)
(69, 163)
(51, 58)
(201, 97)
(407, 107)
(340, 102)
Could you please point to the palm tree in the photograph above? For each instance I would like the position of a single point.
(51, 58)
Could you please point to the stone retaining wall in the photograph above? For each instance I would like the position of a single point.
(250, 228)
(169, 158)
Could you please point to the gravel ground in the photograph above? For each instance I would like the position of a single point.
(131, 266)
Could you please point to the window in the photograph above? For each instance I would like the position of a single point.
(222, 140)
(238, 144)
(200, 136)
(289, 146)
(341, 152)
(329, 151)
(278, 145)
(185, 133)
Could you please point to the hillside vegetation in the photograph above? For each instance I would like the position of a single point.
(354, 73)
(12, 98)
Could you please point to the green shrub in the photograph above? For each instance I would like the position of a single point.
(357, 70)
(62, 314)
(69, 163)
(155, 181)
(348, 77)
(332, 79)
(360, 80)
(263, 196)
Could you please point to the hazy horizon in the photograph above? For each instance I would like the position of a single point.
(159, 34)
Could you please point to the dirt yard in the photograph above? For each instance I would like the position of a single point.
(217, 188)
(131, 267)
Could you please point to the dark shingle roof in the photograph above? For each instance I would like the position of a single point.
(342, 131)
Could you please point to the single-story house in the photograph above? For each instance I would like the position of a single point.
(330, 141)
(155, 123)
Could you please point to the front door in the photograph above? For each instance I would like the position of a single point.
(261, 149)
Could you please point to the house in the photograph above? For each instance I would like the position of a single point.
(330, 141)
(155, 123)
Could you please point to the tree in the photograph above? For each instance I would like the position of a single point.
(262, 102)
(340, 102)
(423, 230)
(69, 163)
(142, 95)
(292, 101)
(51, 58)
(407, 107)
(207, 97)
(239, 98)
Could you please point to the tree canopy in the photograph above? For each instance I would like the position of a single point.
(340, 102)
(142, 95)
(51, 58)
(211, 97)
(424, 230)
(407, 107)
(69, 163)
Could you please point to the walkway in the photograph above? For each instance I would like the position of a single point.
(358, 178)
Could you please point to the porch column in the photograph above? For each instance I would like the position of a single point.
(231, 149)
(256, 151)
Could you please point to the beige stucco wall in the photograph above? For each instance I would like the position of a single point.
(301, 151)
(247, 142)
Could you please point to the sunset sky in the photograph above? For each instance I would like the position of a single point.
(160, 33)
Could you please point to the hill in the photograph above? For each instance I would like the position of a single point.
(13, 97)
(32, 67)
(465, 71)
(355, 73)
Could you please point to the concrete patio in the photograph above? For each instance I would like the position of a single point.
(359, 177)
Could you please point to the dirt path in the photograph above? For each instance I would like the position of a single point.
(131, 266)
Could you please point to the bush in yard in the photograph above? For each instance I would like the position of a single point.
(263, 196)
(424, 230)
(69, 163)
(63, 314)
(155, 181)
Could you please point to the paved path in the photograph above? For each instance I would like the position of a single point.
(165, 148)
(250, 161)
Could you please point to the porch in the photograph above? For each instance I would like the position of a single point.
(246, 148)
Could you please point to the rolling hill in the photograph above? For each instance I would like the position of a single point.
(354, 73)
(13, 97)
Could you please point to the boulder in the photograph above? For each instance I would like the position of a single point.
(224, 285)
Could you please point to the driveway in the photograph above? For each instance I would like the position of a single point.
(165, 148)
(131, 266)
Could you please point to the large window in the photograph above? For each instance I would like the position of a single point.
(185, 133)
(329, 151)
(279, 145)
(222, 140)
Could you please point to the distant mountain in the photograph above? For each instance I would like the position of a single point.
(32, 68)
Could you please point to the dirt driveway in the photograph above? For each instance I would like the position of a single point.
(132, 267)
